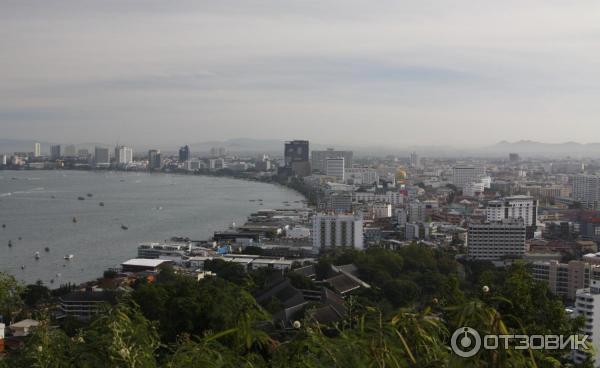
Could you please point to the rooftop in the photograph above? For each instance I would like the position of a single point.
(142, 262)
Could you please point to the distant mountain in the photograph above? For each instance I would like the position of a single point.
(533, 148)
(249, 145)
(8, 146)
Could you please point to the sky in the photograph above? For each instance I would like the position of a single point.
(379, 72)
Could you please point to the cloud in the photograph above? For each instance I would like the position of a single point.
(345, 71)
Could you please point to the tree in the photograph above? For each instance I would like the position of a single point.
(35, 294)
(120, 337)
(10, 297)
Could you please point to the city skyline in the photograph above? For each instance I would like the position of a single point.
(386, 73)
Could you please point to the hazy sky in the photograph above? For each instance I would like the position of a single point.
(362, 72)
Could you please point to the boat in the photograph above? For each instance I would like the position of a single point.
(20, 238)
(69, 257)
(124, 227)
(74, 220)
(81, 198)
(10, 243)
(37, 255)
(52, 197)
(22, 267)
(47, 249)
(89, 195)
(3, 226)
(101, 204)
(52, 281)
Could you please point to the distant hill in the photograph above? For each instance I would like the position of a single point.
(8, 146)
(533, 148)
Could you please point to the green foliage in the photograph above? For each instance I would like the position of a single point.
(10, 296)
(229, 271)
(35, 294)
(182, 305)
(417, 300)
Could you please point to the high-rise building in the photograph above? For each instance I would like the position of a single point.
(513, 157)
(69, 151)
(296, 159)
(586, 190)
(415, 161)
(416, 211)
(295, 151)
(218, 152)
(462, 175)
(37, 149)
(335, 167)
(55, 152)
(101, 156)
(331, 231)
(494, 241)
(184, 153)
(154, 160)
(587, 305)
(123, 155)
(318, 159)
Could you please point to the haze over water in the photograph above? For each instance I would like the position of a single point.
(39, 207)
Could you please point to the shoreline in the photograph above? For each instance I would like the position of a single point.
(209, 231)
(181, 173)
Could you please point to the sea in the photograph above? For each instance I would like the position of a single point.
(61, 211)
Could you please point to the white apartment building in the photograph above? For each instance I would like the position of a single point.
(318, 159)
(496, 240)
(462, 175)
(382, 210)
(587, 304)
(123, 155)
(473, 190)
(37, 149)
(416, 231)
(330, 231)
(361, 175)
(391, 197)
(416, 211)
(401, 216)
(516, 207)
(70, 151)
(335, 167)
(586, 189)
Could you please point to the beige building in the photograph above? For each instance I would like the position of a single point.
(564, 279)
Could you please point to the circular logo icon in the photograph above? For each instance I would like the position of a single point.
(465, 342)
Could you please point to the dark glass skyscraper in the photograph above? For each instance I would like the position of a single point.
(295, 151)
(184, 153)
(154, 160)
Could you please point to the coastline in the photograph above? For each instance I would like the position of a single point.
(218, 174)
(84, 254)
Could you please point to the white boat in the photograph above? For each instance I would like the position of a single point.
(69, 256)
(37, 255)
